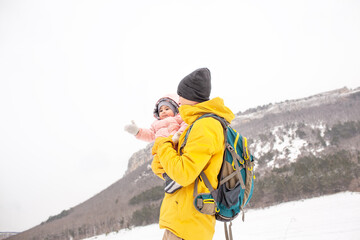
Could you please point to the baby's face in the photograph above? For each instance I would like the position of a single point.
(165, 112)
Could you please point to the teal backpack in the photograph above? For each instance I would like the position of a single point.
(235, 179)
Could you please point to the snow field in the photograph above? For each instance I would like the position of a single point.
(332, 217)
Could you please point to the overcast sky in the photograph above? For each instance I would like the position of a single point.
(73, 73)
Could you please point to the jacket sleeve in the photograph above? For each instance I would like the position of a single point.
(201, 145)
(145, 134)
(156, 167)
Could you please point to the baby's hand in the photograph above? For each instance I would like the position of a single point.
(132, 128)
(176, 137)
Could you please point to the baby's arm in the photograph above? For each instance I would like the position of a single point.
(144, 134)
(147, 135)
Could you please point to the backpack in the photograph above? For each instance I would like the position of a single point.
(235, 179)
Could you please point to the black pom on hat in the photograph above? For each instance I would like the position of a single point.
(196, 86)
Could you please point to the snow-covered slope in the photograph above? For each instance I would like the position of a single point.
(328, 217)
(329, 97)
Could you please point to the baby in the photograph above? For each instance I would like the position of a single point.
(168, 122)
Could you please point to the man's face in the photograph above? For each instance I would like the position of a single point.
(184, 101)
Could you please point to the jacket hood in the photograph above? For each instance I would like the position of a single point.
(189, 113)
(172, 99)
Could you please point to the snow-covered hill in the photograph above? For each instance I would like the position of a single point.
(285, 138)
(280, 133)
(330, 217)
(324, 98)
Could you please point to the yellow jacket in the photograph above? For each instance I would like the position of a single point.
(203, 152)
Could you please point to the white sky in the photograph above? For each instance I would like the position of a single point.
(73, 73)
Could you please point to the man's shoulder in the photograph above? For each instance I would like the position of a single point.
(208, 122)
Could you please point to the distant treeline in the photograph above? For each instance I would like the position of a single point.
(309, 176)
(343, 130)
(149, 213)
(64, 213)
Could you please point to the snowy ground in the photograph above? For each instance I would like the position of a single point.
(329, 217)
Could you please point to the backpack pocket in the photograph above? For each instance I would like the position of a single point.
(228, 197)
(205, 203)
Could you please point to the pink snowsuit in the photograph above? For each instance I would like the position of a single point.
(165, 127)
(162, 128)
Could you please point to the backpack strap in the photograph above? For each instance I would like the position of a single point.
(223, 122)
(236, 166)
(206, 181)
(228, 235)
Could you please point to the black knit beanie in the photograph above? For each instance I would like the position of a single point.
(196, 86)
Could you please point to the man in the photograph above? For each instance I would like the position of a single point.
(203, 152)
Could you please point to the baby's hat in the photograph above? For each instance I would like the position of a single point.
(170, 100)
